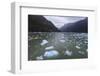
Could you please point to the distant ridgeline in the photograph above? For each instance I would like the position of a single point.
(38, 23)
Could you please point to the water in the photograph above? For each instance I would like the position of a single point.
(57, 45)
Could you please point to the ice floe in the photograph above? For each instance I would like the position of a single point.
(86, 50)
(85, 42)
(81, 52)
(39, 58)
(67, 52)
(62, 41)
(50, 47)
(77, 47)
(51, 53)
(44, 42)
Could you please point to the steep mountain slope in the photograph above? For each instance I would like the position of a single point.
(79, 26)
(37, 23)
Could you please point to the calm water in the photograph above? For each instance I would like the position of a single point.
(57, 45)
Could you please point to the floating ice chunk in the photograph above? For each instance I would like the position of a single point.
(77, 47)
(62, 41)
(81, 52)
(50, 47)
(39, 58)
(51, 53)
(87, 50)
(44, 42)
(67, 52)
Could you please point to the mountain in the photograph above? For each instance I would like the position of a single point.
(79, 26)
(38, 23)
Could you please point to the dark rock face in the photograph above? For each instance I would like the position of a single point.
(37, 23)
(80, 26)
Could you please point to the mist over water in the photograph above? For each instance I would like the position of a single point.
(59, 21)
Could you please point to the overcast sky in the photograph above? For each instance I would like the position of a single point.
(59, 21)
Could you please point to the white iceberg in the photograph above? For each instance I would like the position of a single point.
(44, 42)
(85, 42)
(81, 52)
(77, 47)
(62, 41)
(50, 47)
(39, 58)
(51, 53)
(67, 52)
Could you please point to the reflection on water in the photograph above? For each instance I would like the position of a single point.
(57, 45)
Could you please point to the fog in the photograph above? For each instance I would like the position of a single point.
(59, 21)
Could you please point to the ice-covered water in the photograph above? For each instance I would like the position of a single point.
(57, 45)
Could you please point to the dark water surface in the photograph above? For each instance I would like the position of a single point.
(57, 45)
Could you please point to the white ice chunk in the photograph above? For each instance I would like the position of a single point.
(81, 52)
(67, 52)
(50, 47)
(51, 53)
(85, 42)
(62, 41)
(44, 42)
(77, 47)
(39, 58)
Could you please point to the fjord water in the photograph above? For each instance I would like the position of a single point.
(57, 45)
